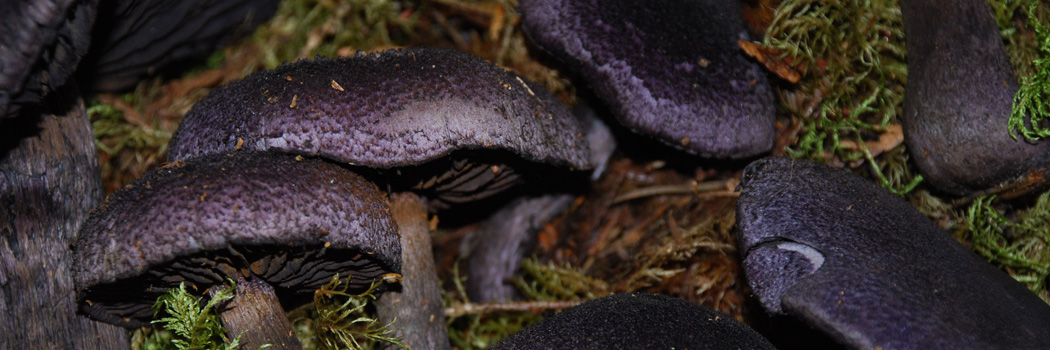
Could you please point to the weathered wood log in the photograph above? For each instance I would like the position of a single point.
(49, 180)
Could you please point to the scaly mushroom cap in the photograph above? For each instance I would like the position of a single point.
(291, 223)
(637, 321)
(670, 69)
(135, 38)
(960, 93)
(388, 109)
(864, 266)
(42, 41)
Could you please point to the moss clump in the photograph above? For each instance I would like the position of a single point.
(190, 324)
(309, 28)
(125, 144)
(1032, 101)
(1020, 246)
(850, 55)
(543, 287)
(337, 319)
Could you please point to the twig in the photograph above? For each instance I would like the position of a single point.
(702, 189)
(481, 308)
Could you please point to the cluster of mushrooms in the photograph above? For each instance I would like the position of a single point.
(326, 167)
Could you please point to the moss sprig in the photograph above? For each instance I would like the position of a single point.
(193, 326)
(1021, 246)
(1032, 100)
(309, 28)
(850, 54)
(339, 319)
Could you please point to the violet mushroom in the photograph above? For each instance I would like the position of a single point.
(49, 180)
(862, 265)
(42, 43)
(136, 38)
(267, 221)
(404, 113)
(637, 321)
(670, 69)
(960, 93)
(494, 251)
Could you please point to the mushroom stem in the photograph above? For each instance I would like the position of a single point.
(417, 307)
(504, 239)
(256, 316)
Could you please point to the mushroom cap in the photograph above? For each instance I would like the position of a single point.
(42, 41)
(388, 109)
(637, 321)
(292, 223)
(669, 69)
(960, 92)
(862, 265)
(133, 39)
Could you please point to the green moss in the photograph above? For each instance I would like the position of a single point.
(189, 325)
(309, 28)
(850, 54)
(1021, 246)
(1032, 101)
(541, 285)
(337, 319)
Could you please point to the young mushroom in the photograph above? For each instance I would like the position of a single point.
(669, 69)
(862, 265)
(637, 321)
(267, 221)
(435, 121)
(494, 251)
(960, 92)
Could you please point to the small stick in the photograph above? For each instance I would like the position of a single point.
(481, 308)
(703, 189)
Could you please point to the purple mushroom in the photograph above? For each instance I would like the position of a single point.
(41, 42)
(670, 69)
(494, 251)
(862, 265)
(637, 321)
(960, 92)
(267, 221)
(49, 180)
(436, 121)
(136, 38)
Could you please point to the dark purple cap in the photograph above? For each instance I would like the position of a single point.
(862, 265)
(389, 109)
(637, 321)
(670, 69)
(293, 223)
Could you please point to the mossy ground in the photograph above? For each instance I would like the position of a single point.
(850, 59)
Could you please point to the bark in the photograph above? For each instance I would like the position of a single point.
(417, 306)
(255, 314)
(49, 180)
